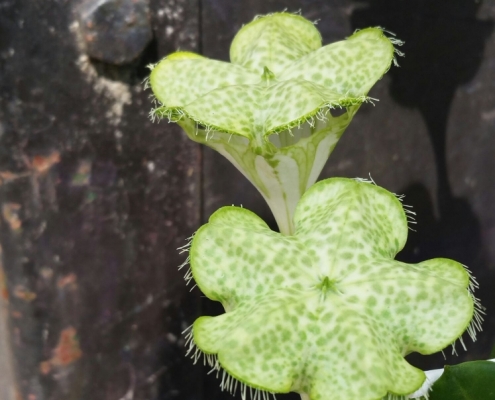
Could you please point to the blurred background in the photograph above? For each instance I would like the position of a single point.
(95, 199)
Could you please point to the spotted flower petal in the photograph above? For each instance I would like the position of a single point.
(268, 111)
(326, 312)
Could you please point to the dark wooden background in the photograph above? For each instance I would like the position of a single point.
(95, 199)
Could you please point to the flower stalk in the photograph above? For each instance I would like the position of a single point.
(290, 164)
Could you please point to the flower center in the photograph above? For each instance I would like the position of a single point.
(267, 76)
(327, 286)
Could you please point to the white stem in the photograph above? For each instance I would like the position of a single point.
(304, 396)
(283, 214)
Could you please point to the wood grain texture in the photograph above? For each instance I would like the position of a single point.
(8, 384)
(95, 200)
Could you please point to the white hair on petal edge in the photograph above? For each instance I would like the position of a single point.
(227, 382)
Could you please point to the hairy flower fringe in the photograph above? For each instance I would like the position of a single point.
(188, 276)
(231, 384)
(228, 382)
(284, 11)
(161, 111)
(410, 214)
(393, 397)
(146, 81)
(395, 42)
(396, 397)
(475, 325)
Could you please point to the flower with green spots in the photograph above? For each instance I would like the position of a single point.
(268, 111)
(326, 312)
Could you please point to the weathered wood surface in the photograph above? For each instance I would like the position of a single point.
(95, 198)
(7, 377)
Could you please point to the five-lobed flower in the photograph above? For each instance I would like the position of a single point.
(326, 312)
(268, 111)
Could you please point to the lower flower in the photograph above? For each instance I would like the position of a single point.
(326, 312)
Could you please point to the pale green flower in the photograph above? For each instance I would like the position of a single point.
(326, 312)
(268, 111)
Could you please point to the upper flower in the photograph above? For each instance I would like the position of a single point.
(279, 76)
(327, 311)
(268, 111)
